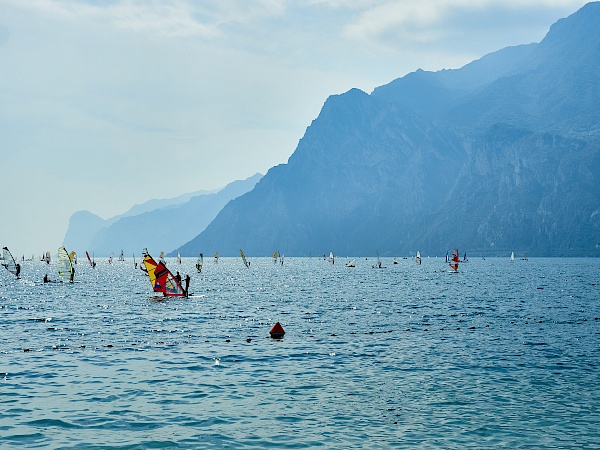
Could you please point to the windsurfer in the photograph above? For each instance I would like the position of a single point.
(178, 278)
(187, 284)
(46, 279)
(18, 270)
(72, 274)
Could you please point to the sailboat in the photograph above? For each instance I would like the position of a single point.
(65, 265)
(246, 263)
(454, 260)
(9, 262)
(418, 257)
(161, 279)
(199, 263)
(512, 257)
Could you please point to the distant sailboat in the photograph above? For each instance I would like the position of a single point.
(9, 262)
(65, 265)
(199, 263)
(246, 263)
(350, 264)
(418, 257)
(454, 260)
(512, 257)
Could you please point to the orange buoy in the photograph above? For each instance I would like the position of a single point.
(277, 331)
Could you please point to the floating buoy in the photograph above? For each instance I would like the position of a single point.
(277, 331)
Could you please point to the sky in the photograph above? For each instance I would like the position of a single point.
(108, 103)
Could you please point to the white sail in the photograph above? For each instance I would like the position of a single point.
(64, 264)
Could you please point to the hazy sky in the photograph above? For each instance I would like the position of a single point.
(108, 103)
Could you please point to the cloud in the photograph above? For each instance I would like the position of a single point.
(427, 20)
(166, 18)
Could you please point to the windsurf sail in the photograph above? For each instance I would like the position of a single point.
(161, 258)
(122, 256)
(512, 257)
(217, 258)
(73, 257)
(199, 263)
(110, 259)
(89, 259)
(149, 265)
(246, 263)
(275, 257)
(9, 262)
(166, 282)
(454, 260)
(161, 279)
(465, 257)
(418, 257)
(64, 264)
(331, 258)
(178, 258)
(47, 258)
(134, 263)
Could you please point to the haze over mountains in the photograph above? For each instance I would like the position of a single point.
(500, 155)
(159, 225)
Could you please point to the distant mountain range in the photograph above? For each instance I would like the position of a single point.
(501, 155)
(159, 225)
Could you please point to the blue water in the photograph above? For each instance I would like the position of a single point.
(498, 355)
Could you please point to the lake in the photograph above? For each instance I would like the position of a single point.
(498, 354)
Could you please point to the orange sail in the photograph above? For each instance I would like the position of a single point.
(455, 259)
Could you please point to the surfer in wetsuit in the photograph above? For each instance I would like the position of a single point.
(187, 284)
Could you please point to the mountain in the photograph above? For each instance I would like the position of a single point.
(157, 224)
(500, 155)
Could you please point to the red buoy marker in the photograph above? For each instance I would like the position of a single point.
(277, 331)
